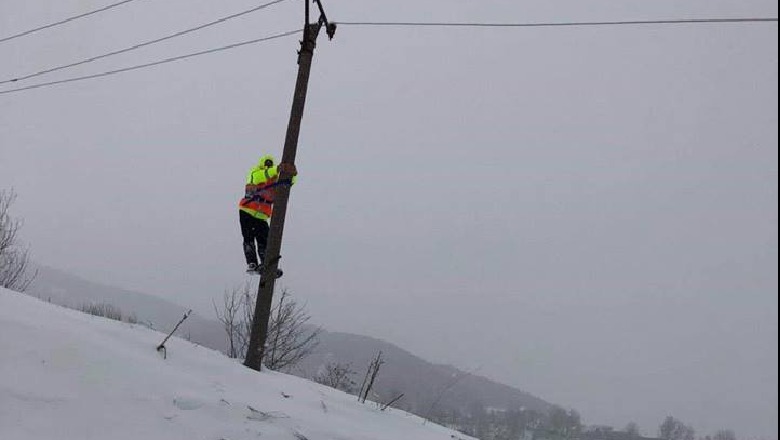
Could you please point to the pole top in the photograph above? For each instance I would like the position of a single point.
(330, 28)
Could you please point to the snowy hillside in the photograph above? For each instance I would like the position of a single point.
(66, 375)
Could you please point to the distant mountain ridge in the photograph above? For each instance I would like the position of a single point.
(427, 387)
(67, 290)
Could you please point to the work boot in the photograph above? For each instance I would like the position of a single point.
(261, 269)
(252, 268)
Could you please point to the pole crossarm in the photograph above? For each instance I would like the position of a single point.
(330, 28)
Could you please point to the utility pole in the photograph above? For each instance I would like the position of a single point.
(265, 290)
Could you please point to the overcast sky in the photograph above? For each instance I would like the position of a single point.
(589, 214)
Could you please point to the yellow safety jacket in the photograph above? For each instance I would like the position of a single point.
(260, 191)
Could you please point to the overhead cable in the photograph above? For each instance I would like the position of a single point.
(147, 43)
(156, 63)
(67, 20)
(559, 24)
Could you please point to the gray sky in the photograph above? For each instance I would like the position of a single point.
(587, 214)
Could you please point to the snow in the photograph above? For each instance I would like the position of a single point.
(67, 375)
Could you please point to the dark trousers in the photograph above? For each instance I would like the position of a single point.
(255, 233)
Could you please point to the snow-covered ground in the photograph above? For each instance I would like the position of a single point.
(66, 375)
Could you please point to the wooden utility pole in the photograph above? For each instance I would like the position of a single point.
(265, 290)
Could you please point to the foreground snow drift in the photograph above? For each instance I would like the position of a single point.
(67, 375)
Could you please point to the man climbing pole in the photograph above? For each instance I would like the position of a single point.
(265, 290)
(256, 208)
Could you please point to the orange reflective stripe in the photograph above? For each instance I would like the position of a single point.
(259, 193)
(264, 208)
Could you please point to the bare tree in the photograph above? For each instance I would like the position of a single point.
(290, 338)
(103, 310)
(673, 429)
(725, 434)
(337, 375)
(564, 423)
(371, 374)
(232, 317)
(632, 429)
(456, 378)
(14, 261)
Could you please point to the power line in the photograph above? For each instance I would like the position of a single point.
(147, 43)
(67, 20)
(384, 24)
(559, 24)
(156, 63)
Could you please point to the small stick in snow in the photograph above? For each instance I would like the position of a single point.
(390, 403)
(161, 347)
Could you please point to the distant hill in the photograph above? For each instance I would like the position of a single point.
(73, 292)
(420, 381)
